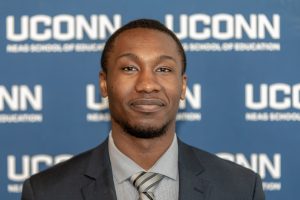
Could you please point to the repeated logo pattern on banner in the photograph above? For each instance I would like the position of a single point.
(243, 96)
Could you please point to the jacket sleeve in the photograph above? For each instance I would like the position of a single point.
(27, 192)
(258, 193)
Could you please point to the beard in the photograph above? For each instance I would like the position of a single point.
(142, 132)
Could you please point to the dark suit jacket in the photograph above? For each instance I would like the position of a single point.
(88, 176)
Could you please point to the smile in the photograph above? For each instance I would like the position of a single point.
(147, 105)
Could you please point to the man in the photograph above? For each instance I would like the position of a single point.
(143, 76)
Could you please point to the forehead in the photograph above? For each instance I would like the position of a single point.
(145, 39)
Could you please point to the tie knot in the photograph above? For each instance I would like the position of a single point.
(145, 181)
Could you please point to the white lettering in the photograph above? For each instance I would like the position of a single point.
(84, 27)
(11, 100)
(183, 29)
(262, 103)
(35, 21)
(205, 33)
(194, 98)
(20, 97)
(273, 90)
(37, 160)
(58, 22)
(225, 26)
(91, 99)
(265, 25)
(11, 29)
(228, 22)
(242, 25)
(12, 171)
(296, 96)
(31, 165)
(105, 25)
(26, 96)
(266, 165)
(260, 163)
(61, 27)
(277, 96)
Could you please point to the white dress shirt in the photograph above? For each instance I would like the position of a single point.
(123, 168)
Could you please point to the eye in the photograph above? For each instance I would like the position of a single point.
(129, 68)
(163, 69)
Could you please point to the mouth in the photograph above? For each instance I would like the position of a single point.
(147, 105)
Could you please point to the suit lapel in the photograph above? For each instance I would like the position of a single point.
(100, 185)
(99, 179)
(191, 184)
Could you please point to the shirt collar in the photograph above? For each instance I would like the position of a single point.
(123, 167)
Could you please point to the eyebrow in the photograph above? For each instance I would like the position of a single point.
(166, 57)
(129, 55)
(135, 57)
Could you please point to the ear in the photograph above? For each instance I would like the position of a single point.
(184, 85)
(103, 83)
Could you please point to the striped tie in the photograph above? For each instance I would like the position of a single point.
(145, 183)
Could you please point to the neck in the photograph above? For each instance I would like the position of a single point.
(144, 152)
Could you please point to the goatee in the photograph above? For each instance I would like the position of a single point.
(139, 131)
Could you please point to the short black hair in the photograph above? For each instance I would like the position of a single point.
(141, 23)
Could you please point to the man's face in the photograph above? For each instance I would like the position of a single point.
(144, 82)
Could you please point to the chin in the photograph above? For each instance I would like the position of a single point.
(144, 129)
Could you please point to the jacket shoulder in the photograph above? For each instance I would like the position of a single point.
(228, 179)
(70, 167)
(61, 181)
(213, 163)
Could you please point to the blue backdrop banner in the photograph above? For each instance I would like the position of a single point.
(243, 97)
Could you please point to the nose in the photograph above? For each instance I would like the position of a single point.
(147, 82)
